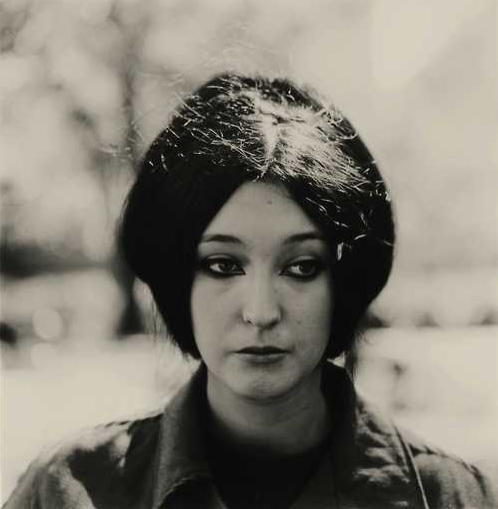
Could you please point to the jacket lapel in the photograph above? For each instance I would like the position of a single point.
(370, 466)
(366, 468)
(181, 455)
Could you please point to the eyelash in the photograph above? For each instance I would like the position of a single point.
(207, 265)
(315, 265)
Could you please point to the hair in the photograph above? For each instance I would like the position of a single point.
(236, 129)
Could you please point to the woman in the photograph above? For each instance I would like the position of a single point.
(263, 228)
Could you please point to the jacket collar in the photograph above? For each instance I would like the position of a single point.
(368, 455)
(368, 458)
(181, 455)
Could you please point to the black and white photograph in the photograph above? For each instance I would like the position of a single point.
(249, 254)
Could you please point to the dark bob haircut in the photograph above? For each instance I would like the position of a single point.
(235, 129)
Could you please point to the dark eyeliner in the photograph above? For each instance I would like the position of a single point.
(318, 267)
(206, 265)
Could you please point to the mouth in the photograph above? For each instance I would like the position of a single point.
(262, 350)
(262, 355)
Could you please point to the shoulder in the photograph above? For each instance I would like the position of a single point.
(88, 464)
(449, 480)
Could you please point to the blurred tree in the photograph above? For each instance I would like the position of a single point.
(105, 75)
(80, 61)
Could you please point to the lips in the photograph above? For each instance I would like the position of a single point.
(261, 350)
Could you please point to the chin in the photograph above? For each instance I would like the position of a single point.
(263, 389)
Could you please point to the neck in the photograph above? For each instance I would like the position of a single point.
(288, 425)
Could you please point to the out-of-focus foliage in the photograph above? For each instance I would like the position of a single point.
(439, 147)
(85, 86)
(61, 113)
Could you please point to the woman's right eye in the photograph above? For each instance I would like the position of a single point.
(223, 267)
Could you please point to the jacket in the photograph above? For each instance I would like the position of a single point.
(159, 461)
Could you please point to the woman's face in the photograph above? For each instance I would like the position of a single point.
(261, 298)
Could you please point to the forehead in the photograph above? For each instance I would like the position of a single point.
(261, 209)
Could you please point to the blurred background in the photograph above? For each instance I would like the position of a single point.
(85, 86)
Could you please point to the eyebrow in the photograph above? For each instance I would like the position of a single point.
(293, 239)
(219, 237)
(301, 237)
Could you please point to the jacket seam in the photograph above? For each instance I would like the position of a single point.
(195, 476)
(449, 457)
(414, 469)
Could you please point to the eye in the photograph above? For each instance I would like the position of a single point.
(304, 269)
(222, 266)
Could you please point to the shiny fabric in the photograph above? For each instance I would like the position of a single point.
(160, 461)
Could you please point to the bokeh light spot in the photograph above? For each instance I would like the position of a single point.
(47, 323)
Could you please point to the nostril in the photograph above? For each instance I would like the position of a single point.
(262, 318)
(261, 307)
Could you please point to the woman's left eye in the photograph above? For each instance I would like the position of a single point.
(303, 269)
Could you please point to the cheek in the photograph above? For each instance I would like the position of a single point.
(313, 316)
(210, 307)
(317, 304)
(202, 320)
(199, 306)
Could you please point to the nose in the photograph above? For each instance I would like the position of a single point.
(261, 306)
